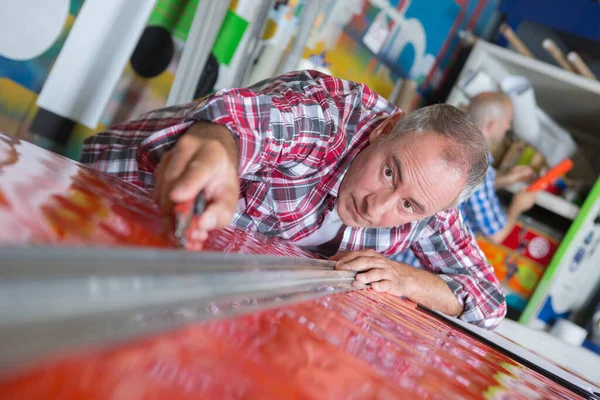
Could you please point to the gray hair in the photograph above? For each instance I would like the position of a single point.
(467, 148)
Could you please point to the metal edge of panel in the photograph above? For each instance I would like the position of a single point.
(54, 300)
(61, 262)
(24, 343)
(37, 299)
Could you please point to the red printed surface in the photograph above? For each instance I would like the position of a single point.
(46, 199)
(359, 345)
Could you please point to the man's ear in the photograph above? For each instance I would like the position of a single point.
(386, 127)
(490, 126)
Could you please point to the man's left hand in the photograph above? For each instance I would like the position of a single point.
(398, 279)
(382, 273)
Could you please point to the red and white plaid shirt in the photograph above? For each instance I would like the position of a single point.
(297, 135)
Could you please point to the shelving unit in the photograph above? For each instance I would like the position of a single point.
(576, 108)
(573, 102)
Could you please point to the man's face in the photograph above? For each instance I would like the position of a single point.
(398, 181)
(501, 126)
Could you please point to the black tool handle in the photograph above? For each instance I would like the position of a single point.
(199, 205)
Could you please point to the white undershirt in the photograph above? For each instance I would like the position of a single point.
(327, 231)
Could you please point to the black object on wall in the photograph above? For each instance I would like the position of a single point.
(52, 126)
(153, 53)
(209, 77)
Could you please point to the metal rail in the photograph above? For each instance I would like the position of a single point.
(53, 299)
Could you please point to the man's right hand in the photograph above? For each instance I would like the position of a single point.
(521, 202)
(518, 173)
(204, 159)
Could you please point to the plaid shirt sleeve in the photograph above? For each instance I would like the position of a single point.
(296, 120)
(447, 248)
(131, 151)
(482, 211)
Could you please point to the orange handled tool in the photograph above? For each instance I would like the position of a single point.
(559, 170)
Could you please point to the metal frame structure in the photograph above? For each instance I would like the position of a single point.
(203, 32)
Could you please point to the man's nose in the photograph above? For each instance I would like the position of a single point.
(382, 203)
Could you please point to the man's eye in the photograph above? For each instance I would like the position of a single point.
(388, 172)
(408, 206)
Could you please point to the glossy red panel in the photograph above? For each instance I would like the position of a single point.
(358, 345)
(46, 199)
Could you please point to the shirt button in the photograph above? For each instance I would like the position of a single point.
(320, 219)
(255, 213)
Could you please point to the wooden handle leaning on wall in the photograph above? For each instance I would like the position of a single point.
(555, 52)
(511, 155)
(514, 40)
(537, 161)
(580, 66)
(406, 96)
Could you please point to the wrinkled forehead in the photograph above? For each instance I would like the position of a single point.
(429, 148)
(433, 168)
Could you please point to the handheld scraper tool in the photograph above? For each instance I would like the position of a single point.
(184, 214)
